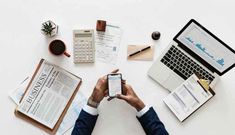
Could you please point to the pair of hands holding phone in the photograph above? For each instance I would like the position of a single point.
(101, 90)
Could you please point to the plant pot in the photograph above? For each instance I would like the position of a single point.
(49, 28)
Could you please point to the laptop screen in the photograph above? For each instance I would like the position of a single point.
(207, 46)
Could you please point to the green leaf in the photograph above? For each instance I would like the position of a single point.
(50, 25)
(48, 28)
(44, 25)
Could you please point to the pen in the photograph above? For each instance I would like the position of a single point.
(146, 48)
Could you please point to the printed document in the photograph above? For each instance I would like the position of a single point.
(48, 94)
(187, 98)
(18, 93)
(72, 113)
(108, 44)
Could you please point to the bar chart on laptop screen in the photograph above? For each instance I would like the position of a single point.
(207, 47)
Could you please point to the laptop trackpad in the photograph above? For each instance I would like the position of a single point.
(172, 82)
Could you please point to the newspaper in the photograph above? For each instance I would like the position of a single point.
(70, 117)
(48, 94)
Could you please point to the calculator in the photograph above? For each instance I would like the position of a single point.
(84, 48)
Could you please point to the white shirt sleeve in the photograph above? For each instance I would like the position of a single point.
(94, 111)
(142, 112)
(90, 110)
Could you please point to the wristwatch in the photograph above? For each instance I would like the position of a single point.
(92, 103)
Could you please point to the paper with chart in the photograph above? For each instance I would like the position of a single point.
(71, 115)
(108, 44)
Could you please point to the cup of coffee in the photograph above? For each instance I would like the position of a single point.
(58, 47)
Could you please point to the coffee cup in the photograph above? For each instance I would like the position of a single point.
(58, 47)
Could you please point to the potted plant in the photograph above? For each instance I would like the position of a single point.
(49, 28)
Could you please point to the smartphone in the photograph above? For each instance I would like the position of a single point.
(114, 84)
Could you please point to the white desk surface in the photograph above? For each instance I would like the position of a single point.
(22, 46)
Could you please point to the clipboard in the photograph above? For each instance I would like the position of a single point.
(38, 124)
(146, 55)
(203, 83)
(174, 99)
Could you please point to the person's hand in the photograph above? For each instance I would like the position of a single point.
(131, 98)
(101, 88)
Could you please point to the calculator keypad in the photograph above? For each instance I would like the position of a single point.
(83, 46)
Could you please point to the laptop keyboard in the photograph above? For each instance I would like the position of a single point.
(182, 65)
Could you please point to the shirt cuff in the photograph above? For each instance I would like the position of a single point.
(90, 110)
(142, 112)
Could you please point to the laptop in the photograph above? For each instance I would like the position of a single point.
(193, 50)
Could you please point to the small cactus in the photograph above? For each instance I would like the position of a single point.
(49, 28)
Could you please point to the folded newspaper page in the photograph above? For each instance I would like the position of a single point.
(48, 94)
